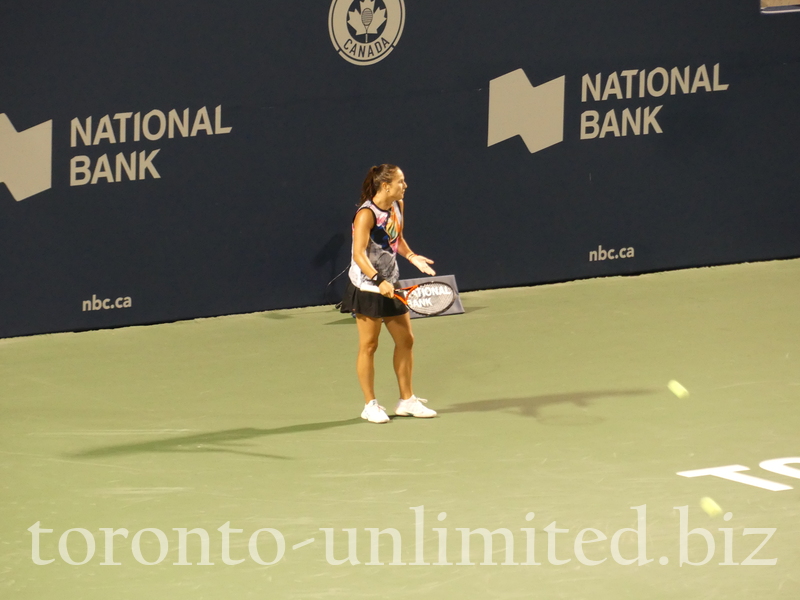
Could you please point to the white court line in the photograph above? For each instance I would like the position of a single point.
(377, 441)
(72, 462)
(140, 491)
(732, 385)
(387, 473)
(113, 432)
(301, 544)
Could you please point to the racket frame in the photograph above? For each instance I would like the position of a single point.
(403, 293)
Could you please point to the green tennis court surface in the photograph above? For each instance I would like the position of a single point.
(553, 400)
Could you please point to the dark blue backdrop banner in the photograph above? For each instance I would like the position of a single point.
(174, 159)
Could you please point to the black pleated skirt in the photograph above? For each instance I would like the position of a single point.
(371, 304)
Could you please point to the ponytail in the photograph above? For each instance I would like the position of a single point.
(375, 177)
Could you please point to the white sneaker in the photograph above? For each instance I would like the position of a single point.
(374, 413)
(413, 407)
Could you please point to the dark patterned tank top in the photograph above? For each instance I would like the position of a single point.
(381, 246)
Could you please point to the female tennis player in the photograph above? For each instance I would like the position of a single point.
(377, 240)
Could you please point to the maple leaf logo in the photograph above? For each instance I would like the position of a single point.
(367, 20)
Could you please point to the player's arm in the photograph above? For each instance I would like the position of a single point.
(403, 249)
(362, 225)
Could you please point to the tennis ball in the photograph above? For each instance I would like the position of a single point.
(677, 389)
(711, 508)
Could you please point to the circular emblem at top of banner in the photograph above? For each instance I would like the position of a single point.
(366, 31)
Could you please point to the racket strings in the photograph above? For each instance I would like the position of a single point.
(430, 298)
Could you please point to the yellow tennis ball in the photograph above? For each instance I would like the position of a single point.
(677, 389)
(711, 508)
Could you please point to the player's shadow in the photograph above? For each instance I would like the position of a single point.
(234, 441)
(532, 406)
(216, 441)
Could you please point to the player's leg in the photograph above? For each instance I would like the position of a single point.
(400, 330)
(369, 329)
(409, 404)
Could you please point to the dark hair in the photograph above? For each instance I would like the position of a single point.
(376, 176)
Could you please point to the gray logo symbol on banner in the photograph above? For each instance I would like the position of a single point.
(26, 158)
(366, 31)
(535, 113)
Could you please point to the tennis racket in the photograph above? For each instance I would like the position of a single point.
(428, 298)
